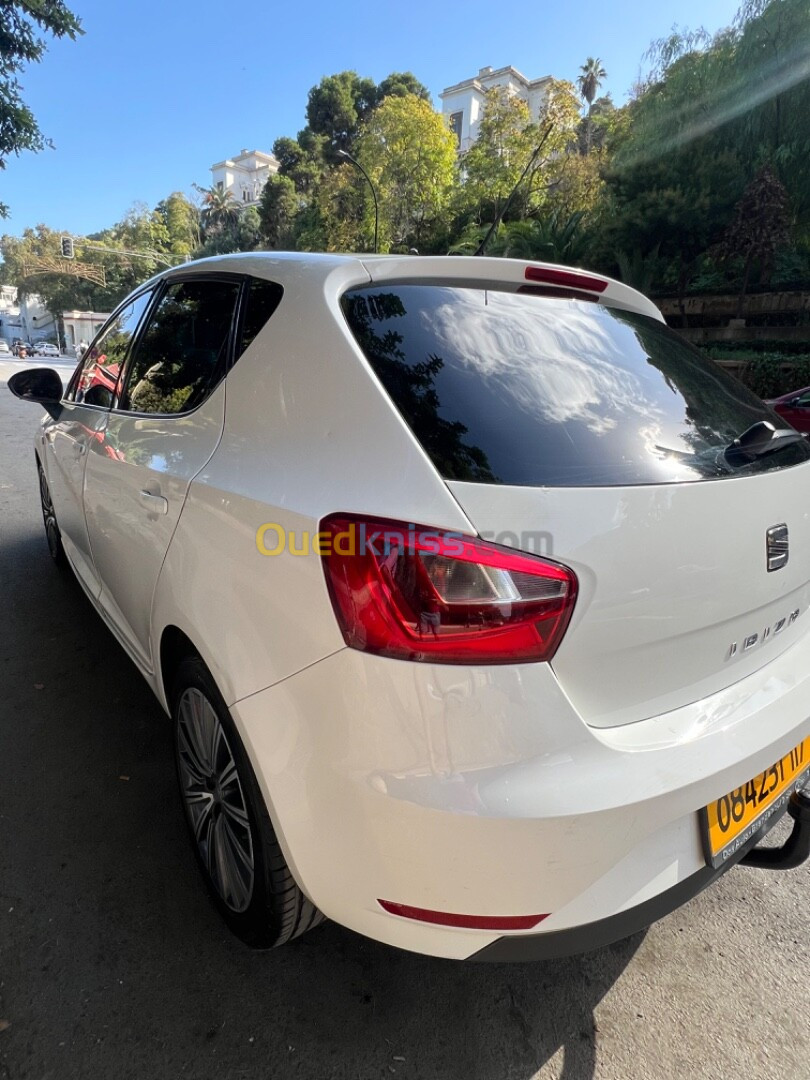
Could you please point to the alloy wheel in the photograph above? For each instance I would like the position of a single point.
(214, 800)
(49, 516)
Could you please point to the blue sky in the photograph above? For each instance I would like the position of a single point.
(156, 91)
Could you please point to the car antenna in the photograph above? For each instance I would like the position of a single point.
(499, 216)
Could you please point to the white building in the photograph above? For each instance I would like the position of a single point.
(10, 325)
(27, 319)
(463, 104)
(244, 175)
(38, 322)
(30, 320)
(82, 326)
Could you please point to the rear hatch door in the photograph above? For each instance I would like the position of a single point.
(597, 437)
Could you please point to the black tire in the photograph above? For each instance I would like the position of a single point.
(52, 533)
(233, 838)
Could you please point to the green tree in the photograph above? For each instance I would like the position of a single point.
(181, 220)
(770, 94)
(278, 209)
(21, 45)
(410, 155)
(141, 229)
(400, 83)
(334, 218)
(598, 128)
(240, 233)
(677, 170)
(338, 105)
(61, 292)
(760, 226)
(303, 160)
(507, 137)
(710, 113)
(575, 185)
(591, 78)
(220, 209)
(549, 238)
(559, 122)
(677, 205)
(169, 231)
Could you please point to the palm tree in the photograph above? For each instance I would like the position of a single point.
(589, 82)
(220, 208)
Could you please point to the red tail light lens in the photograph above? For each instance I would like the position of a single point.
(415, 593)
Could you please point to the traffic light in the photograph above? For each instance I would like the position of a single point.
(67, 247)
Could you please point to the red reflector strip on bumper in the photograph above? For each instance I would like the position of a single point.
(565, 277)
(466, 922)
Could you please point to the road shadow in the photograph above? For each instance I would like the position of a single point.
(113, 961)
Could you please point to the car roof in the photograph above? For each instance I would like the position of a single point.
(346, 270)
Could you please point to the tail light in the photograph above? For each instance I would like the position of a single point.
(415, 593)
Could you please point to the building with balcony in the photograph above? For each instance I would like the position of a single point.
(244, 175)
(463, 104)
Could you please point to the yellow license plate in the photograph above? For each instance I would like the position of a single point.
(732, 820)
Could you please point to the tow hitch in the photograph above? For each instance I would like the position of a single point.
(796, 848)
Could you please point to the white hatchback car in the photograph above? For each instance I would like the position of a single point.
(479, 598)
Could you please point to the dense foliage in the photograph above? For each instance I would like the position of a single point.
(698, 183)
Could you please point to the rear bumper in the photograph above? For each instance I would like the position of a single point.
(595, 935)
(480, 791)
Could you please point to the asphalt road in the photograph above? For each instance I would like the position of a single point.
(113, 964)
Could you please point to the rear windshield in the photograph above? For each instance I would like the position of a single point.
(508, 388)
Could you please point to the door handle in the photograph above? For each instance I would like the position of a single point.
(156, 503)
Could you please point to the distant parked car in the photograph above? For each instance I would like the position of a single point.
(47, 349)
(4, 349)
(795, 408)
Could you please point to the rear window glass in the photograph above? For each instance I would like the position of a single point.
(261, 300)
(507, 388)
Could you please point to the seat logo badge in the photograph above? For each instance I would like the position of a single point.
(776, 547)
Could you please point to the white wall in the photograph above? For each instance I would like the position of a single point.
(244, 175)
(469, 97)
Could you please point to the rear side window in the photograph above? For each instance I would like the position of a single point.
(507, 388)
(261, 300)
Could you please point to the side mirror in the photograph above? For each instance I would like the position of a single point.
(41, 385)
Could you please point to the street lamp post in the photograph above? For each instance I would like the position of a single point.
(348, 156)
